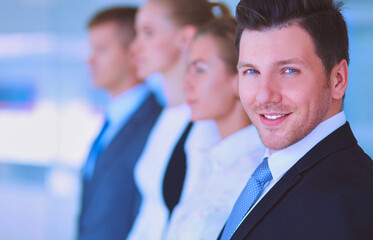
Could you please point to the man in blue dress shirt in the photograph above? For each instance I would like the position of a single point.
(315, 182)
(110, 199)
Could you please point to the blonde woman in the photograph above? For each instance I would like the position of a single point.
(165, 29)
(212, 93)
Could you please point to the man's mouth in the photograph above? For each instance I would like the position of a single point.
(273, 117)
(191, 101)
(273, 120)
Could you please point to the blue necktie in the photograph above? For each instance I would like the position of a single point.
(94, 153)
(247, 198)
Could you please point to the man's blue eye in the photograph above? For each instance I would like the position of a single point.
(251, 71)
(290, 70)
(197, 69)
(148, 32)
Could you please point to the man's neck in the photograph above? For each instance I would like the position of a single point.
(329, 125)
(125, 85)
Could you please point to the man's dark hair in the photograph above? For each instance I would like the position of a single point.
(124, 17)
(322, 19)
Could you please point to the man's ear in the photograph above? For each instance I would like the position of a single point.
(186, 36)
(339, 80)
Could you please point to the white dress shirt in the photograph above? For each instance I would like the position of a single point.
(150, 169)
(280, 162)
(203, 136)
(121, 108)
(222, 174)
(118, 112)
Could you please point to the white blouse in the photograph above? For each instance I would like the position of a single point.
(150, 169)
(203, 136)
(205, 208)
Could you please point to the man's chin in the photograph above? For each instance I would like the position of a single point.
(274, 143)
(274, 147)
(143, 74)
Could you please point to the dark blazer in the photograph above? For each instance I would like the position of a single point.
(110, 200)
(326, 195)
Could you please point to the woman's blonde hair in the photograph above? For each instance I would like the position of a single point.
(223, 30)
(195, 12)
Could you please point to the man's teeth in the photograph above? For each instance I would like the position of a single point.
(273, 117)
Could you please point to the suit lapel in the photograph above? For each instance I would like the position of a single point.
(339, 139)
(116, 146)
(122, 138)
(290, 179)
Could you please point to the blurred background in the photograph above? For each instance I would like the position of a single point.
(49, 111)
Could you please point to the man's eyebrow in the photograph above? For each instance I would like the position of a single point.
(290, 61)
(278, 63)
(196, 61)
(245, 65)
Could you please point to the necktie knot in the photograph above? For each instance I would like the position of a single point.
(247, 198)
(262, 173)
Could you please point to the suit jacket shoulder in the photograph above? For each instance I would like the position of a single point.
(327, 194)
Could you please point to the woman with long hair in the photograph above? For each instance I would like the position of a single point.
(165, 29)
(212, 93)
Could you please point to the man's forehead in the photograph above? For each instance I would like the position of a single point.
(290, 44)
(289, 36)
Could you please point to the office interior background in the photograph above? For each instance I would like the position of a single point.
(50, 112)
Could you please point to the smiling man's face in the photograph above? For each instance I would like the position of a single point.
(283, 85)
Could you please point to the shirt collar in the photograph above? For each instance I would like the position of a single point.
(237, 144)
(281, 161)
(126, 103)
(203, 136)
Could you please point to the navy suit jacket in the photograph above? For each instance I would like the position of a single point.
(326, 195)
(111, 200)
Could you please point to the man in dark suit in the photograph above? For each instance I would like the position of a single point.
(315, 182)
(110, 199)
